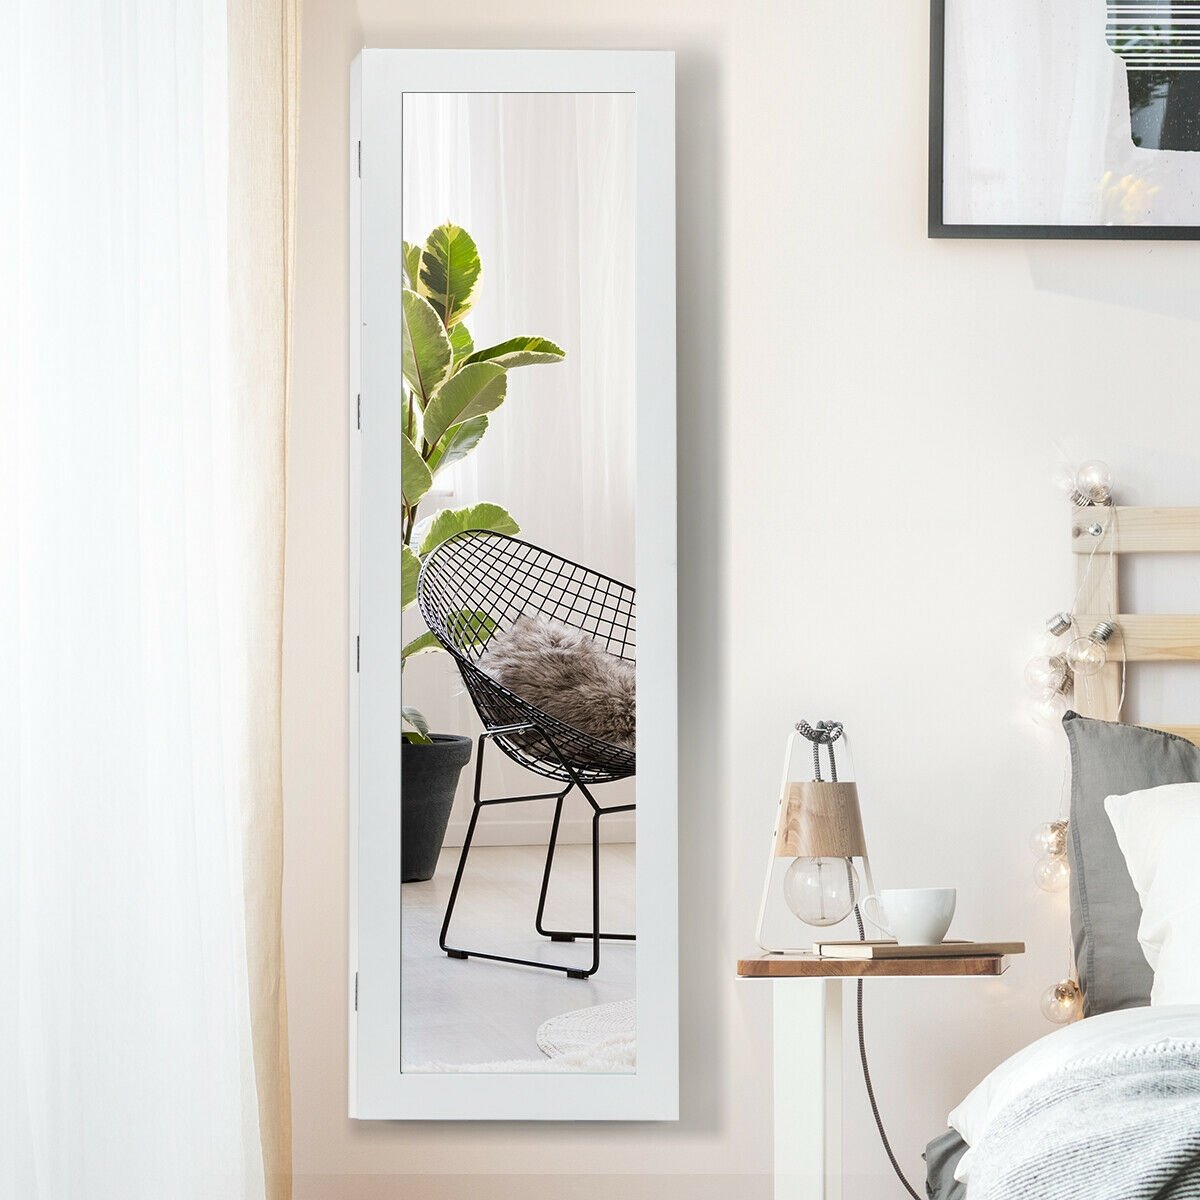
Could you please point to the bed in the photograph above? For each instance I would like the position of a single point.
(1109, 1107)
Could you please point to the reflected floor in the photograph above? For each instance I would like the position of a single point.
(473, 1011)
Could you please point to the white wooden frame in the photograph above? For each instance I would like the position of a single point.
(377, 1087)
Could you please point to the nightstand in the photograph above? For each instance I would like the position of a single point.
(807, 1030)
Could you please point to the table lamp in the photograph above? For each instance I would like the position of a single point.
(818, 826)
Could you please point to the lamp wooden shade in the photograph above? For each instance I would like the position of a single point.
(820, 820)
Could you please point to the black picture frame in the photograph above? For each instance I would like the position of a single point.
(938, 228)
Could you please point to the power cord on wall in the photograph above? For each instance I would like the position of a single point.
(825, 733)
(866, 1070)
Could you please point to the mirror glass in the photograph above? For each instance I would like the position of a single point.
(519, 475)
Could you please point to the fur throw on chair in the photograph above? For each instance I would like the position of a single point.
(569, 675)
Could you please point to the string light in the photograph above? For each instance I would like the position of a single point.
(1093, 483)
(1049, 710)
(1089, 655)
(1062, 1001)
(1049, 678)
(1052, 874)
(1059, 624)
(1049, 842)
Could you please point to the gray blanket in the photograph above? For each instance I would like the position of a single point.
(1116, 1127)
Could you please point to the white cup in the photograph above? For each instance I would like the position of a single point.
(913, 916)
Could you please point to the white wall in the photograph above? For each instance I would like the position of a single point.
(867, 531)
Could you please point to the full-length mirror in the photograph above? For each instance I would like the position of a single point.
(512, 586)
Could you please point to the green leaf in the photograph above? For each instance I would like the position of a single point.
(460, 339)
(427, 354)
(520, 352)
(450, 270)
(469, 627)
(475, 390)
(410, 569)
(425, 644)
(458, 443)
(412, 266)
(457, 520)
(412, 417)
(415, 477)
(420, 727)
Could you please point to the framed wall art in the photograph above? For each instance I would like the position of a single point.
(512, 633)
(1079, 119)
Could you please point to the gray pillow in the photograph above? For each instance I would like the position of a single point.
(941, 1157)
(1109, 759)
(569, 675)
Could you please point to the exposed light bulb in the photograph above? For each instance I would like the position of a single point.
(1049, 840)
(1088, 655)
(1048, 710)
(1052, 874)
(1094, 482)
(821, 891)
(1062, 1001)
(1047, 673)
(1058, 624)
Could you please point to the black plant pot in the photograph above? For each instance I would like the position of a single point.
(428, 779)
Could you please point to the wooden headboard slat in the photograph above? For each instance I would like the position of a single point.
(1141, 637)
(1126, 530)
(1152, 637)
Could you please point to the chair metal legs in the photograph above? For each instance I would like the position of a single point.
(594, 935)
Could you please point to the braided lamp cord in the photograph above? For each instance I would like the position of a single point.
(825, 733)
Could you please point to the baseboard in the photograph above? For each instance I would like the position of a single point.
(527, 831)
(587, 1184)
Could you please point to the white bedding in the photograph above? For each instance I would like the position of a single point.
(1113, 1032)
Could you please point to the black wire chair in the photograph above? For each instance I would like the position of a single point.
(474, 586)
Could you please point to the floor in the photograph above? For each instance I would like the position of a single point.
(472, 1010)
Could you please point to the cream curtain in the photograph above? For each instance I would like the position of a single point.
(264, 107)
(145, 269)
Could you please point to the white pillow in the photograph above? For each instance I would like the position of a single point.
(1158, 831)
(1124, 1029)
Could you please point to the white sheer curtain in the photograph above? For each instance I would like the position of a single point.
(141, 464)
(545, 183)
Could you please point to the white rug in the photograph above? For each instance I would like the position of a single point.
(587, 1028)
(601, 1040)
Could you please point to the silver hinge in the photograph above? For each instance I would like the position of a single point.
(358, 415)
(357, 653)
(360, 158)
(356, 991)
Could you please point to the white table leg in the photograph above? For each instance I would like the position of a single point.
(808, 1089)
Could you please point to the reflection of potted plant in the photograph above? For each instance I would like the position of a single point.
(451, 389)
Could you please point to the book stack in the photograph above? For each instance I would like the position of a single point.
(888, 949)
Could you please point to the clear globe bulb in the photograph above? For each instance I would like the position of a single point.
(1086, 656)
(1052, 874)
(1049, 840)
(1047, 710)
(1062, 1001)
(1094, 481)
(821, 891)
(1046, 673)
